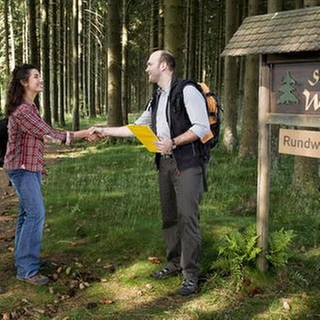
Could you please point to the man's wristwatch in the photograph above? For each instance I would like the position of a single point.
(173, 144)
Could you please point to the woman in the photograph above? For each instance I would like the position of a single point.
(25, 165)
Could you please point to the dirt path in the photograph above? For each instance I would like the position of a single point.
(7, 219)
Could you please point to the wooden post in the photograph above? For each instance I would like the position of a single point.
(263, 163)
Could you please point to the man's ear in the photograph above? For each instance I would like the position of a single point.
(163, 66)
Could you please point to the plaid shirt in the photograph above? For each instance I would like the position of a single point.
(25, 148)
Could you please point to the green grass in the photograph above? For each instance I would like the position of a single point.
(102, 205)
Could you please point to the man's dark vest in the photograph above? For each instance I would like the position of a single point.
(188, 155)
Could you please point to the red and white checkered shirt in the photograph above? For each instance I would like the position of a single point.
(25, 147)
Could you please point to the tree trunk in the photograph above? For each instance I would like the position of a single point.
(55, 63)
(174, 32)
(154, 23)
(249, 130)
(124, 74)
(75, 63)
(12, 38)
(25, 34)
(61, 64)
(161, 24)
(200, 31)
(68, 55)
(311, 3)
(34, 49)
(45, 52)
(6, 35)
(114, 64)
(191, 39)
(230, 84)
(305, 176)
(274, 5)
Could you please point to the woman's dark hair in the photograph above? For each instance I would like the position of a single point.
(15, 88)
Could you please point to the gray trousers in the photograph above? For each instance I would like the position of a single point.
(180, 196)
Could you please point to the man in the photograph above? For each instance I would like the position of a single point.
(180, 165)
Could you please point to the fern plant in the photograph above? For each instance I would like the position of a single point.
(280, 247)
(238, 250)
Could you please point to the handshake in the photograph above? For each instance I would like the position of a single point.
(93, 134)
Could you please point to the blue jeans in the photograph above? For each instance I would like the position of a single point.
(30, 222)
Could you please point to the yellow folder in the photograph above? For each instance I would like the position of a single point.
(145, 135)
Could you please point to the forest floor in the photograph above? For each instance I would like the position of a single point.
(103, 238)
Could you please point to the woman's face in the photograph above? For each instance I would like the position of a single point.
(34, 83)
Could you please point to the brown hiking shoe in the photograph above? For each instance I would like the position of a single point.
(37, 280)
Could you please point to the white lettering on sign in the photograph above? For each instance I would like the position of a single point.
(311, 100)
(316, 77)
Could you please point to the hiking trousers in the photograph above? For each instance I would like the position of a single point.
(180, 196)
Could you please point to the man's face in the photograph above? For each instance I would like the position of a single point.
(154, 67)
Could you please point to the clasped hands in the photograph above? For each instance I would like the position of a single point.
(94, 134)
(164, 144)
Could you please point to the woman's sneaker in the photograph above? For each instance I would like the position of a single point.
(37, 280)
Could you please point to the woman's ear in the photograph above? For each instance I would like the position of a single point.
(24, 83)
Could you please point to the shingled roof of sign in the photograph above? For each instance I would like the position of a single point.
(280, 32)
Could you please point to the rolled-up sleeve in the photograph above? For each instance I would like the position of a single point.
(197, 110)
(144, 119)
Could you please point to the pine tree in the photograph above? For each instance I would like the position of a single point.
(287, 90)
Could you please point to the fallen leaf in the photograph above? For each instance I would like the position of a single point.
(81, 286)
(106, 301)
(149, 286)
(285, 304)
(109, 267)
(41, 311)
(51, 290)
(154, 260)
(68, 270)
(254, 291)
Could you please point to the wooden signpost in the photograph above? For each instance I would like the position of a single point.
(289, 95)
(288, 44)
